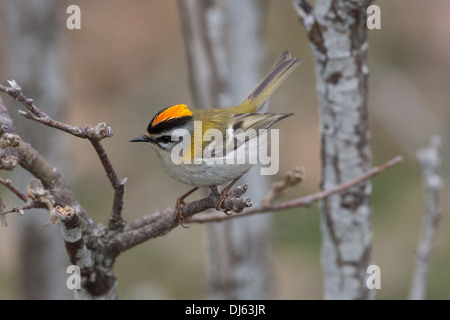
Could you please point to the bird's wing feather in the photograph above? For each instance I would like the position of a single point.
(246, 127)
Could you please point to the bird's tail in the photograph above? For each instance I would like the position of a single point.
(257, 99)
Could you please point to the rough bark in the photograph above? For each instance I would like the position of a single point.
(338, 37)
(430, 162)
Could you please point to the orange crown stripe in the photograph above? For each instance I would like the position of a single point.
(176, 111)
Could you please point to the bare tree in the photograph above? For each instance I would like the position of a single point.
(35, 51)
(249, 245)
(430, 161)
(338, 37)
(237, 252)
(94, 247)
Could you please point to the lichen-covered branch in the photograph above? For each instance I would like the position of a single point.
(94, 284)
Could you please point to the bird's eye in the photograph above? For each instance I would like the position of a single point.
(165, 139)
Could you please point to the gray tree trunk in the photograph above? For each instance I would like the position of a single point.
(338, 36)
(245, 254)
(238, 251)
(430, 160)
(35, 60)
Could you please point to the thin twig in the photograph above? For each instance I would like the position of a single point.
(15, 91)
(116, 221)
(77, 226)
(299, 202)
(161, 222)
(93, 134)
(279, 188)
(30, 159)
(99, 132)
(3, 222)
(8, 183)
(430, 161)
(29, 203)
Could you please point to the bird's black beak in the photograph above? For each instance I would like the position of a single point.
(141, 139)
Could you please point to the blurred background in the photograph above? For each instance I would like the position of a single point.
(128, 61)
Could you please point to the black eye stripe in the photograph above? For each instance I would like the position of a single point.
(164, 139)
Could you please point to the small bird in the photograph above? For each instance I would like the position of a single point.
(207, 147)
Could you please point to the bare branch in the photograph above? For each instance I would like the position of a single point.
(116, 222)
(430, 161)
(98, 280)
(233, 203)
(305, 13)
(93, 134)
(3, 222)
(33, 162)
(8, 141)
(8, 183)
(29, 202)
(76, 225)
(39, 194)
(99, 132)
(73, 237)
(37, 197)
(303, 201)
(15, 91)
(279, 188)
(7, 162)
(161, 222)
(147, 219)
(94, 283)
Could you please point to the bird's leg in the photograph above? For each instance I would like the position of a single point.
(224, 195)
(180, 204)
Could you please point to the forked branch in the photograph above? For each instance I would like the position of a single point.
(96, 259)
(93, 134)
